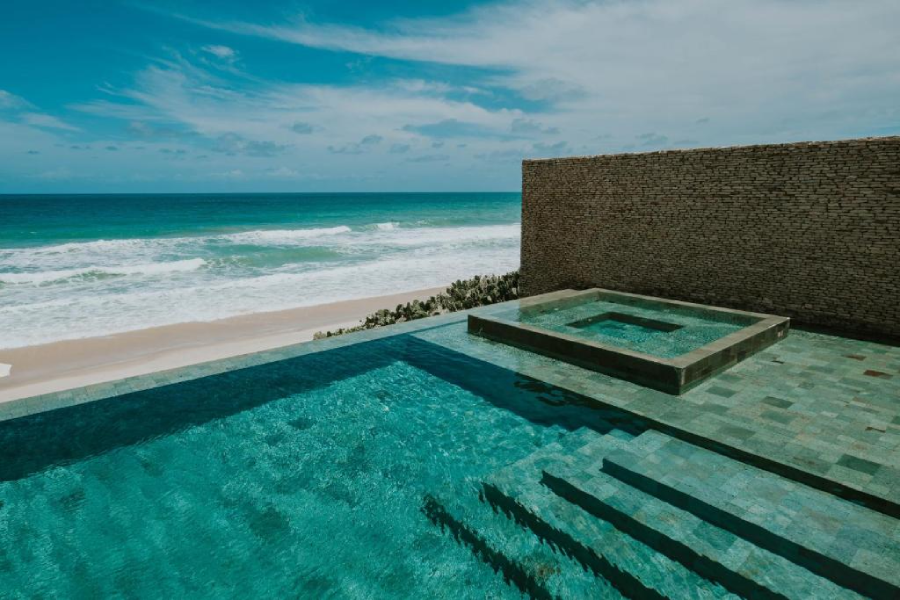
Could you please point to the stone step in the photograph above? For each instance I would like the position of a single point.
(850, 545)
(631, 567)
(716, 554)
(522, 559)
(575, 448)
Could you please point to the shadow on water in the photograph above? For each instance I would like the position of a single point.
(67, 435)
(531, 399)
(63, 436)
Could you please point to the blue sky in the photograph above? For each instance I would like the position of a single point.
(107, 96)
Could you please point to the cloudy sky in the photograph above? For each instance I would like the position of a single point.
(108, 96)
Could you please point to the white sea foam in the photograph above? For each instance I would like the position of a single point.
(110, 286)
(39, 277)
(386, 226)
(263, 236)
(81, 255)
(95, 245)
(422, 236)
(281, 236)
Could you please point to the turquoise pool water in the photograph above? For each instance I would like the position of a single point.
(666, 332)
(301, 478)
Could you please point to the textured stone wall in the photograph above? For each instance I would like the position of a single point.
(808, 230)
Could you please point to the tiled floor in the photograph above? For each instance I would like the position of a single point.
(783, 541)
(826, 406)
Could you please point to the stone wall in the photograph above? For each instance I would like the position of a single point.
(808, 230)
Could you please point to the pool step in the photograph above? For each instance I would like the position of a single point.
(634, 569)
(716, 554)
(849, 545)
(522, 559)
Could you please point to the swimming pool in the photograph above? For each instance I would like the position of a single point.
(303, 477)
(417, 461)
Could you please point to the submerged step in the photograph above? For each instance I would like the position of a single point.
(633, 568)
(852, 546)
(718, 555)
(523, 560)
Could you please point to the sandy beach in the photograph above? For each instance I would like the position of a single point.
(74, 363)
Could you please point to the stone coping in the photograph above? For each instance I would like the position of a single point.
(36, 404)
(672, 375)
(706, 149)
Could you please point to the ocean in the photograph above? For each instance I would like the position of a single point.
(87, 265)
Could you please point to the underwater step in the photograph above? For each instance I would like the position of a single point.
(851, 545)
(716, 554)
(575, 448)
(522, 559)
(631, 567)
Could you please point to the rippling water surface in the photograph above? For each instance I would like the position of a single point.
(79, 266)
(304, 478)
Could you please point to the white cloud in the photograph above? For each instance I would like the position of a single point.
(221, 52)
(759, 69)
(27, 113)
(47, 121)
(531, 127)
(529, 79)
(266, 116)
(237, 123)
(232, 174)
(117, 110)
(11, 101)
(283, 172)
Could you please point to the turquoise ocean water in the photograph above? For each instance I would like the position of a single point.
(86, 265)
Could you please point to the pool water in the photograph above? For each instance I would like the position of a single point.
(623, 326)
(663, 331)
(300, 478)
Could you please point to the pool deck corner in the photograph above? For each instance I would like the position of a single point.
(816, 408)
(673, 375)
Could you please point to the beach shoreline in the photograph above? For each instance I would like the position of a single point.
(69, 364)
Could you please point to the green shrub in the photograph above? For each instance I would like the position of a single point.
(481, 290)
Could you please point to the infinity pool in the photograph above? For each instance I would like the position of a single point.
(300, 478)
(421, 461)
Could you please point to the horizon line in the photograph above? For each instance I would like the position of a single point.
(5, 194)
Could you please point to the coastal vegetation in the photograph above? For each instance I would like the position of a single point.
(480, 290)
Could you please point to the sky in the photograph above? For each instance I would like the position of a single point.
(402, 95)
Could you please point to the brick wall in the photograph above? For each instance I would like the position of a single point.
(808, 230)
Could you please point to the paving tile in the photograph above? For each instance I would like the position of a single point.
(722, 391)
(778, 402)
(778, 417)
(858, 464)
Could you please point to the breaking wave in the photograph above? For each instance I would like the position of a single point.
(40, 277)
(106, 286)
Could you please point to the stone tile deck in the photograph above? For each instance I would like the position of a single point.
(817, 405)
(820, 408)
(633, 568)
(721, 553)
(836, 538)
(665, 548)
